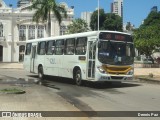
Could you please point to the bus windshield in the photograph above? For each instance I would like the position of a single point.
(116, 53)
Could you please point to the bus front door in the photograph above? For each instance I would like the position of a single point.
(32, 65)
(91, 59)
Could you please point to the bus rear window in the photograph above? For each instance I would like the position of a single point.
(28, 48)
(81, 45)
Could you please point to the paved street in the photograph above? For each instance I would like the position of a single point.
(61, 94)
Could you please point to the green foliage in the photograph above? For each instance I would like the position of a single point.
(107, 21)
(152, 19)
(43, 10)
(147, 36)
(77, 26)
(147, 39)
(113, 22)
(94, 19)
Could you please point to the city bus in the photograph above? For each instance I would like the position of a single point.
(97, 56)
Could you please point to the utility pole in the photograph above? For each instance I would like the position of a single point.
(98, 15)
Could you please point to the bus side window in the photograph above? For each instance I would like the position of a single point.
(50, 47)
(70, 46)
(59, 47)
(42, 48)
(81, 45)
(28, 49)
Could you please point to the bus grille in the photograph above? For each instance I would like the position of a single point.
(117, 70)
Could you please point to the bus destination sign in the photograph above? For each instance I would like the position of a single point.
(115, 36)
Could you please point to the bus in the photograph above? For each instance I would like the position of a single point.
(97, 56)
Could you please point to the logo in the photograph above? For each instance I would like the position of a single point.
(6, 114)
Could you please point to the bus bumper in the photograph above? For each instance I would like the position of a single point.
(107, 77)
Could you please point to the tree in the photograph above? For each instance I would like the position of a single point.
(153, 18)
(107, 21)
(113, 22)
(77, 26)
(94, 19)
(147, 36)
(147, 39)
(44, 9)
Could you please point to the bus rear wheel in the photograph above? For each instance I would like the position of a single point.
(40, 73)
(78, 77)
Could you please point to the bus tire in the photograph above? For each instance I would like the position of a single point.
(40, 73)
(78, 77)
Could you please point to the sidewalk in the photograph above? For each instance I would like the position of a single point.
(143, 74)
(11, 65)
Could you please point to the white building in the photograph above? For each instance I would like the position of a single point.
(117, 7)
(16, 27)
(87, 17)
(23, 2)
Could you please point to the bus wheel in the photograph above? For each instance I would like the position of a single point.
(40, 73)
(78, 77)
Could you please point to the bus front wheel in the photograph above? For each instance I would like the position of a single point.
(78, 77)
(40, 73)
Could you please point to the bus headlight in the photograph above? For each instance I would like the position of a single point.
(131, 72)
(101, 70)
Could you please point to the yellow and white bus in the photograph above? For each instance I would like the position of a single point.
(93, 56)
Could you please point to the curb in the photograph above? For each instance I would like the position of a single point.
(154, 81)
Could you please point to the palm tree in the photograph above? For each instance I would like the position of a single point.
(44, 10)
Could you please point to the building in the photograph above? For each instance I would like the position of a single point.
(117, 7)
(128, 27)
(87, 17)
(154, 8)
(16, 27)
(23, 2)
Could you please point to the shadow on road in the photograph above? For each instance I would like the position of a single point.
(50, 81)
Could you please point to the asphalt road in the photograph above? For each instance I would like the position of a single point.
(134, 96)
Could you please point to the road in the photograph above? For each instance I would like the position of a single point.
(100, 97)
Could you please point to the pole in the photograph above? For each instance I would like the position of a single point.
(12, 37)
(98, 15)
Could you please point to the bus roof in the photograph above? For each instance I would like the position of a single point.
(84, 34)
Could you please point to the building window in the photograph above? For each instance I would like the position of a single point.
(1, 30)
(31, 32)
(40, 32)
(21, 53)
(22, 33)
(63, 29)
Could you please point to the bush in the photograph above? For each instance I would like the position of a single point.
(151, 75)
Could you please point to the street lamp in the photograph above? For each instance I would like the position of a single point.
(98, 15)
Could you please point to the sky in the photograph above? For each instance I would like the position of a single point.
(135, 11)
